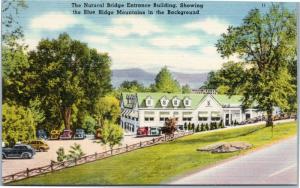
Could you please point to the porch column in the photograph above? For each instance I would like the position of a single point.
(224, 118)
(229, 117)
(241, 118)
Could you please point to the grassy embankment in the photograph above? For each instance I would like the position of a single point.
(157, 164)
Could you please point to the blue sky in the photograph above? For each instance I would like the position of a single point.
(182, 43)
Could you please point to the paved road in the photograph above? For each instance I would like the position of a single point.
(276, 164)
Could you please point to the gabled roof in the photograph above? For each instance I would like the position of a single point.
(226, 100)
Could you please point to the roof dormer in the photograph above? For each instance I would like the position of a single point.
(187, 102)
(175, 102)
(164, 101)
(149, 101)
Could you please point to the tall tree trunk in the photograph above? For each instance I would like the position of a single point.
(67, 117)
(269, 118)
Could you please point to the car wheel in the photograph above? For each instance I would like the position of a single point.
(26, 156)
(3, 156)
(42, 150)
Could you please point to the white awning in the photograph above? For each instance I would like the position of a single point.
(164, 114)
(187, 114)
(215, 114)
(203, 114)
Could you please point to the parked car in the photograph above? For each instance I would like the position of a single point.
(41, 134)
(18, 151)
(79, 134)
(38, 145)
(142, 131)
(98, 133)
(54, 134)
(66, 135)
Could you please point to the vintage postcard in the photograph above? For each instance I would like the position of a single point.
(130, 92)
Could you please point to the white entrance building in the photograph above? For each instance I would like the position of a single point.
(152, 109)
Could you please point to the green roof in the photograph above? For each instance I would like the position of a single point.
(234, 100)
(195, 98)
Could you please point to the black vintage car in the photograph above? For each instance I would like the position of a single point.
(18, 151)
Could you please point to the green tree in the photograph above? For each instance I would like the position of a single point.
(266, 42)
(18, 124)
(75, 152)
(164, 82)
(61, 156)
(111, 134)
(16, 76)
(131, 86)
(89, 124)
(186, 89)
(225, 80)
(71, 76)
(212, 81)
(107, 108)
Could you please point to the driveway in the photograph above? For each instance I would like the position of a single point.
(276, 164)
(89, 146)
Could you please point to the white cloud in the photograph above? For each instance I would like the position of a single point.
(211, 26)
(210, 51)
(153, 59)
(95, 39)
(175, 42)
(128, 25)
(53, 21)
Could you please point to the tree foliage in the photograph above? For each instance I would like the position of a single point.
(12, 32)
(75, 152)
(71, 76)
(170, 126)
(111, 134)
(89, 124)
(186, 89)
(266, 42)
(18, 123)
(107, 108)
(225, 80)
(131, 86)
(164, 82)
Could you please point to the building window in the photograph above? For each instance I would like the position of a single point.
(202, 118)
(163, 119)
(215, 116)
(149, 118)
(187, 119)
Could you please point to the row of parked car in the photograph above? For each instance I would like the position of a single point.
(64, 135)
(274, 118)
(25, 150)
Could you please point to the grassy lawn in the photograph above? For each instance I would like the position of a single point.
(157, 164)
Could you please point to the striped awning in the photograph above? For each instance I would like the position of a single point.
(133, 114)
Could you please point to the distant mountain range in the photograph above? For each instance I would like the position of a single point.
(194, 80)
